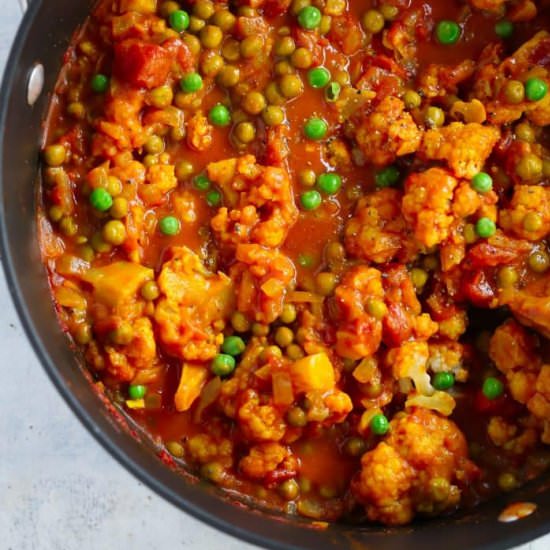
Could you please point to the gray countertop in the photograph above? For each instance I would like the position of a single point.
(59, 490)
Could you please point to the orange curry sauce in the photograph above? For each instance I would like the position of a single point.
(345, 321)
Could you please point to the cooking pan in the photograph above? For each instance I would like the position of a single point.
(41, 40)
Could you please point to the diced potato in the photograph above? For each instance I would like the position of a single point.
(69, 297)
(313, 373)
(192, 380)
(118, 282)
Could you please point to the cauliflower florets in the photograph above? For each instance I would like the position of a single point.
(515, 354)
(193, 306)
(532, 201)
(260, 422)
(387, 132)
(418, 468)
(377, 232)
(262, 278)
(260, 201)
(359, 333)
(465, 147)
(427, 205)
(263, 459)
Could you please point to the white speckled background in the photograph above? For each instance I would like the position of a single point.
(59, 490)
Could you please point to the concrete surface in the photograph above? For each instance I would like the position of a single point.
(58, 489)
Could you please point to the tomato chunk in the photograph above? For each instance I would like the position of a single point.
(141, 64)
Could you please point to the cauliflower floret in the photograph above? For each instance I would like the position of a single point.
(159, 181)
(371, 307)
(427, 205)
(532, 201)
(387, 132)
(122, 361)
(120, 129)
(500, 431)
(199, 133)
(514, 352)
(448, 357)
(262, 460)
(492, 78)
(328, 408)
(517, 438)
(203, 448)
(438, 80)
(193, 307)
(260, 422)
(418, 468)
(465, 147)
(378, 232)
(531, 304)
(262, 278)
(410, 361)
(260, 198)
(383, 486)
(359, 333)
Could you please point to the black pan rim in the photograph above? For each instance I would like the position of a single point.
(520, 533)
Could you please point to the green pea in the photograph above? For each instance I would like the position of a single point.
(223, 364)
(535, 89)
(114, 232)
(100, 199)
(191, 83)
(447, 32)
(296, 417)
(387, 177)
(355, 446)
(329, 183)
(99, 83)
(315, 128)
(169, 225)
(332, 91)
(289, 489)
(233, 345)
(514, 92)
(310, 200)
(412, 99)
(485, 228)
(379, 424)
(318, 77)
(202, 183)
(305, 260)
(443, 380)
(175, 448)
(273, 115)
(373, 21)
(288, 314)
(150, 291)
(284, 337)
(504, 28)
(309, 17)
(482, 182)
(137, 391)
(219, 115)
(213, 198)
(54, 155)
(492, 388)
(377, 308)
(179, 20)
(539, 261)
